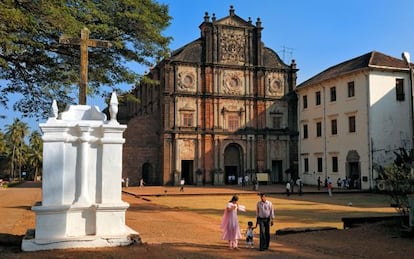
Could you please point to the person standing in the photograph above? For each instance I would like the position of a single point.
(265, 215)
(141, 183)
(288, 188)
(329, 186)
(182, 182)
(230, 223)
(300, 185)
(250, 234)
(319, 182)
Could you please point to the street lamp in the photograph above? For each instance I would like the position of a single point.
(406, 57)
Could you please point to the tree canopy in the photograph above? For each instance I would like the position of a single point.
(35, 65)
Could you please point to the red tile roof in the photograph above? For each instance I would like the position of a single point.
(372, 59)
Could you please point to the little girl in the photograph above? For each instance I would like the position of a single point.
(249, 234)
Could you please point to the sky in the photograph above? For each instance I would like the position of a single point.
(317, 34)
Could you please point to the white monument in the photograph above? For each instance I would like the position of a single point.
(81, 190)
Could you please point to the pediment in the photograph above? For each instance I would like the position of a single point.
(234, 21)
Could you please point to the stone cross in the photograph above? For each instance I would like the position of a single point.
(84, 43)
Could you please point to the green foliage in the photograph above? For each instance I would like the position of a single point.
(35, 65)
(35, 154)
(399, 179)
(15, 134)
(17, 154)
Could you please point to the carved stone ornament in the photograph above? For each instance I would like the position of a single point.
(186, 148)
(232, 47)
(232, 83)
(186, 80)
(275, 86)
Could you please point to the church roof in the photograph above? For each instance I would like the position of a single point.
(191, 52)
(373, 59)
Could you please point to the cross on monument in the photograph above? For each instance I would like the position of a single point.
(84, 43)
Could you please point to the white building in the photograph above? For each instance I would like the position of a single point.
(352, 117)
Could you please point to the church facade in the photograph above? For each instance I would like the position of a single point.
(223, 107)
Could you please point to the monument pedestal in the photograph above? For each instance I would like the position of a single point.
(81, 189)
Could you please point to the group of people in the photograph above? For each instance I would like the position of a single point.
(264, 219)
(290, 186)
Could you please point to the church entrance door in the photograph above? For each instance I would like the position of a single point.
(233, 162)
(187, 171)
(148, 174)
(353, 170)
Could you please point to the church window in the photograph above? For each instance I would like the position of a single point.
(318, 129)
(320, 165)
(305, 131)
(351, 89)
(233, 121)
(352, 126)
(277, 122)
(334, 127)
(399, 87)
(335, 164)
(187, 119)
(306, 164)
(318, 98)
(333, 93)
(305, 101)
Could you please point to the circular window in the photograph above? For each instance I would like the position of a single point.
(233, 82)
(188, 80)
(276, 84)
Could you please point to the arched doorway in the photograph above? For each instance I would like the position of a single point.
(233, 162)
(353, 169)
(148, 174)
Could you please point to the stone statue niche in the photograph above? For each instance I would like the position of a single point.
(81, 189)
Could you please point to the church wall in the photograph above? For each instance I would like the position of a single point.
(141, 146)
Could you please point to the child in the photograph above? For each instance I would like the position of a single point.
(249, 234)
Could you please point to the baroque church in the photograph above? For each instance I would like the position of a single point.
(223, 108)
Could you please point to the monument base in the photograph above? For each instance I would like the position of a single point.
(30, 243)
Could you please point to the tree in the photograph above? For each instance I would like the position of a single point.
(4, 153)
(35, 65)
(398, 179)
(35, 157)
(15, 134)
(3, 144)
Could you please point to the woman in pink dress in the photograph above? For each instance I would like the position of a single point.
(230, 223)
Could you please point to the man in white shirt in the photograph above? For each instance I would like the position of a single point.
(265, 215)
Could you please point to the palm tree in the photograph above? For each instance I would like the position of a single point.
(15, 134)
(35, 158)
(4, 152)
(3, 145)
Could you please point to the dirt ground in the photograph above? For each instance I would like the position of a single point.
(175, 233)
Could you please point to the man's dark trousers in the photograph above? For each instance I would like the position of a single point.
(264, 224)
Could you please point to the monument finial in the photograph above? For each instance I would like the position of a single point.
(258, 23)
(113, 106)
(206, 17)
(55, 110)
(231, 11)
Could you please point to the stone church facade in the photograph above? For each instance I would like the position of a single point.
(224, 107)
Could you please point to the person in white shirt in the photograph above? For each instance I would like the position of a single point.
(265, 215)
(288, 188)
